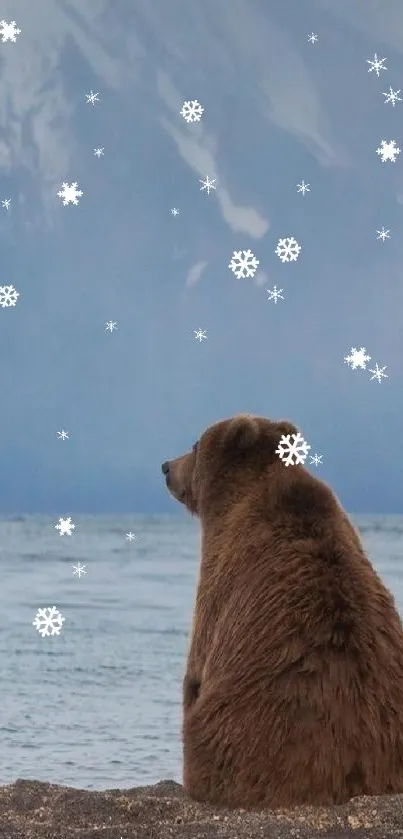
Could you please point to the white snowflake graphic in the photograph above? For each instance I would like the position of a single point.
(6, 203)
(48, 621)
(388, 150)
(316, 459)
(191, 111)
(200, 334)
(63, 435)
(275, 293)
(99, 153)
(207, 184)
(243, 264)
(111, 325)
(130, 536)
(70, 193)
(383, 234)
(174, 211)
(376, 65)
(9, 31)
(288, 249)
(392, 97)
(378, 373)
(288, 450)
(65, 527)
(357, 358)
(303, 187)
(8, 296)
(79, 569)
(92, 97)
(312, 38)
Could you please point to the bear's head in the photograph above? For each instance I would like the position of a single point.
(229, 457)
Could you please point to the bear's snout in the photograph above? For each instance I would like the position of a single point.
(178, 478)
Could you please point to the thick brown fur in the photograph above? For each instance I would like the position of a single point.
(293, 692)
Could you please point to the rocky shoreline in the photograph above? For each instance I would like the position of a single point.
(36, 810)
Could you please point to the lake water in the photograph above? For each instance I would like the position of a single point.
(99, 705)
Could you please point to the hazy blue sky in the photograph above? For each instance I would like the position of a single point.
(278, 109)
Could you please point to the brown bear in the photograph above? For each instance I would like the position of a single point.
(293, 692)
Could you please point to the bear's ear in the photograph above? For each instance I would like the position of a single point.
(242, 432)
(284, 427)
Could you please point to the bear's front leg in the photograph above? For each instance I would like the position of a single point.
(191, 690)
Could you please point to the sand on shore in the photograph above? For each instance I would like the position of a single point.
(37, 810)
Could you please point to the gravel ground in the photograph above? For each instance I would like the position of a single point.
(35, 810)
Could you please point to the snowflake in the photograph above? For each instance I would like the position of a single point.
(65, 527)
(200, 334)
(48, 621)
(312, 38)
(79, 569)
(358, 358)
(8, 296)
(378, 373)
(130, 536)
(392, 96)
(63, 435)
(316, 459)
(288, 249)
(383, 234)
(376, 64)
(92, 97)
(388, 150)
(275, 293)
(243, 266)
(99, 152)
(191, 111)
(174, 211)
(70, 194)
(111, 325)
(6, 203)
(8, 31)
(287, 450)
(207, 184)
(303, 187)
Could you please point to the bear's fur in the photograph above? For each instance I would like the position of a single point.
(293, 692)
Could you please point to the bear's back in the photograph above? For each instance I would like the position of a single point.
(301, 691)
